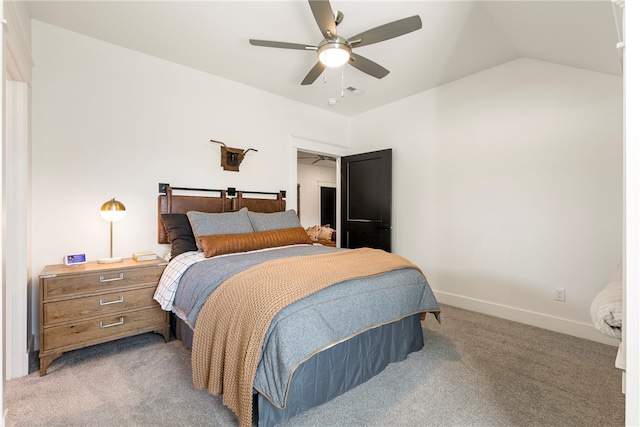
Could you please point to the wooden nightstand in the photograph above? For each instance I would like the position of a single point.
(94, 303)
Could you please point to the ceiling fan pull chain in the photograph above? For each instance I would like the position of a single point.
(342, 87)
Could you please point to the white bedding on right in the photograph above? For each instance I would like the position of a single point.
(606, 308)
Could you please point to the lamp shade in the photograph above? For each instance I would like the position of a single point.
(113, 210)
(334, 53)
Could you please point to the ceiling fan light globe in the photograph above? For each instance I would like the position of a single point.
(334, 57)
(334, 53)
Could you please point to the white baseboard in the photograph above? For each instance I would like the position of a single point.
(540, 320)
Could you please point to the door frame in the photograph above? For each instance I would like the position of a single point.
(16, 316)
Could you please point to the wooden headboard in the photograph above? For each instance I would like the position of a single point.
(259, 204)
(219, 201)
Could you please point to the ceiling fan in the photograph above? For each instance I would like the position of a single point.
(318, 157)
(335, 50)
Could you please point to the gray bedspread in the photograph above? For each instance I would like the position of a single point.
(313, 323)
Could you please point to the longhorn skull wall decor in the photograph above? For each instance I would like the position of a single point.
(230, 158)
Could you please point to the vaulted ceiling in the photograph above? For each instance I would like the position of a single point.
(458, 38)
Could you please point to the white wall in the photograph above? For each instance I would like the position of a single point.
(507, 184)
(112, 122)
(310, 179)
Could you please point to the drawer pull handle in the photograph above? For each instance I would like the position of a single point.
(113, 279)
(118, 301)
(118, 323)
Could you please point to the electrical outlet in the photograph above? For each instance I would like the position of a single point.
(559, 294)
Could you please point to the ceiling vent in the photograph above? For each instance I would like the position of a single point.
(354, 90)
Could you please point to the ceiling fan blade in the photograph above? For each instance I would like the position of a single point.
(368, 66)
(283, 45)
(313, 74)
(316, 161)
(387, 31)
(323, 14)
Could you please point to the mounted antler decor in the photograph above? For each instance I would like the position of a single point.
(230, 158)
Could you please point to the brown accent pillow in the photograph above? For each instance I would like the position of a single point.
(222, 244)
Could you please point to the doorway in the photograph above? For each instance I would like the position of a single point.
(317, 182)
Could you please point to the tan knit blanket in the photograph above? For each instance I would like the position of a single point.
(231, 326)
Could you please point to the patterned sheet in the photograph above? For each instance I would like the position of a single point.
(166, 290)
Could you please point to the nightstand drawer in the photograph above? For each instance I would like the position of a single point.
(103, 329)
(97, 305)
(66, 286)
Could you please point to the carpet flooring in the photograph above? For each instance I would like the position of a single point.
(475, 370)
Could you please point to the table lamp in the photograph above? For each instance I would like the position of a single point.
(112, 211)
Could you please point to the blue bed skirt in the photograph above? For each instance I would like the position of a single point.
(344, 366)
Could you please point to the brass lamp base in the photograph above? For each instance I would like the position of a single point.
(109, 260)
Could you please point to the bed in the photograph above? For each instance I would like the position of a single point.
(299, 323)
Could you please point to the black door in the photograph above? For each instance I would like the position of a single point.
(328, 206)
(366, 200)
